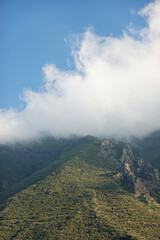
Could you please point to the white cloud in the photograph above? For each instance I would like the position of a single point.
(115, 89)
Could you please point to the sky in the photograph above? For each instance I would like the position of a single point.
(34, 33)
(79, 67)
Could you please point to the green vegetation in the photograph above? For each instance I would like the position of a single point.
(23, 164)
(149, 148)
(79, 196)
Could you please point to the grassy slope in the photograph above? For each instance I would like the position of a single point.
(82, 199)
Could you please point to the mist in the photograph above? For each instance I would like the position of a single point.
(114, 90)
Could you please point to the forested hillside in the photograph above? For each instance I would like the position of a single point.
(82, 188)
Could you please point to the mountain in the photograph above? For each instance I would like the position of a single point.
(81, 188)
(19, 162)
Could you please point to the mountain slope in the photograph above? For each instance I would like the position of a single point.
(90, 195)
(149, 148)
(48, 156)
(148, 151)
(20, 161)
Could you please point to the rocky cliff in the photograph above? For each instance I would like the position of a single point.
(137, 176)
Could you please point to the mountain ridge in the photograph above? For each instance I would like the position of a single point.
(95, 189)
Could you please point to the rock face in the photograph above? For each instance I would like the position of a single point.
(133, 183)
(137, 175)
(156, 174)
(140, 190)
(140, 165)
(128, 177)
(107, 150)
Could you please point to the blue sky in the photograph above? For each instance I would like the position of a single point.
(81, 68)
(33, 33)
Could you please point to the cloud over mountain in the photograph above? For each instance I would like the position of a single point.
(113, 91)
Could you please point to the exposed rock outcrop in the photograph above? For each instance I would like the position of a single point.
(131, 181)
(107, 149)
(140, 165)
(156, 174)
(137, 175)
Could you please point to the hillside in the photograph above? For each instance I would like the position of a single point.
(92, 189)
(21, 160)
(149, 148)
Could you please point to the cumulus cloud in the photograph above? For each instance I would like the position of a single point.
(113, 91)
